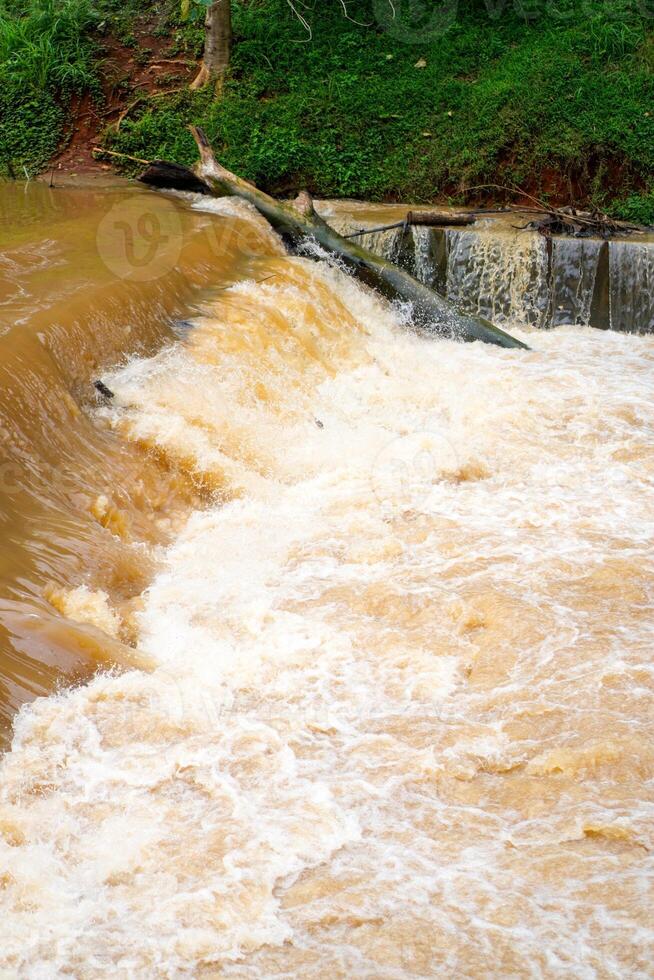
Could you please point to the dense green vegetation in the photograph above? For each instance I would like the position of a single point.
(555, 95)
(45, 54)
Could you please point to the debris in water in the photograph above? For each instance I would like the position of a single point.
(102, 388)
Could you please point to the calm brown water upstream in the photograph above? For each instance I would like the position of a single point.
(380, 608)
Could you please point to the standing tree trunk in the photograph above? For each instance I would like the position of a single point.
(217, 45)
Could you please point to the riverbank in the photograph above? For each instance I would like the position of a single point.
(558, 103)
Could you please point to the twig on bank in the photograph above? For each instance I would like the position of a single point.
(172, 61)
(125, 156)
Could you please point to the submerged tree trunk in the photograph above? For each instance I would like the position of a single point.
(217, 45)
(298, 221)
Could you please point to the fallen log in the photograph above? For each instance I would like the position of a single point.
(169, 174)
(434, 219)
(298, 221)
(437, 218)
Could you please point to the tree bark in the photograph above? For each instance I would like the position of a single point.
(298, 221)
(437, 218)
(217, 45)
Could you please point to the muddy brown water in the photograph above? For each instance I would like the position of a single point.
(340, 637)
(87, 276)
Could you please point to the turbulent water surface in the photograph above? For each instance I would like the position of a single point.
(382, 606)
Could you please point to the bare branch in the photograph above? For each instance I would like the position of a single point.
(293, 4)
(302, 19)
(343, 4)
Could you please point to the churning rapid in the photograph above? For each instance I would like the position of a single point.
(384, 708)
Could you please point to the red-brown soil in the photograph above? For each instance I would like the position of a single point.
(128, 73)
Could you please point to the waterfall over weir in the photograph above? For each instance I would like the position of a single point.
(508, 275)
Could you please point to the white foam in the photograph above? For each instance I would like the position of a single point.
(332, 770)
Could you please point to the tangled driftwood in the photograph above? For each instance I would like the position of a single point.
(580, 224)
(568, 220)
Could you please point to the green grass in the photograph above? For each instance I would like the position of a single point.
(560, 95)
(45, 55)
(557, 95)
